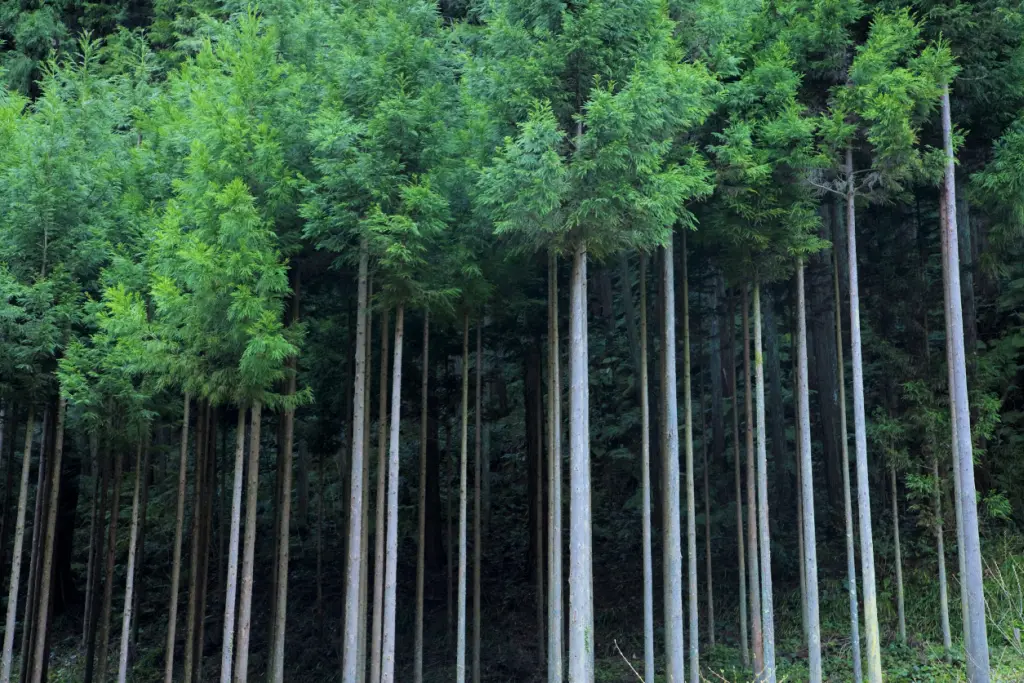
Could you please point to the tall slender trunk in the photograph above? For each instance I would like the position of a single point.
(901, 612)
(108, 582)
(807, 483)
(974, 578)
(10, 620)
(42, 630)
(581, 571)
(421, 534)
(708, 564)
(477, 554)
(645, 478)
(764, 534)
(804, 620)
(94, 535)
(954, 449)
(95, 602)
(231, 585)
(249, 548)
(140, 551)
(379, 531)
(387, 674)
(353, 601)
(947, 641)
(449, 534)
(364, 562)
(753, 559)
(555, 614)
(280, 616)
(867, 550)
(7, 421)
(851, 560)
(671, 513)
(691, 514)
(206, 512)
(460, 647)
(736, 458)
(196, 554)
(129, 588)
(35, 550)
(172, 612)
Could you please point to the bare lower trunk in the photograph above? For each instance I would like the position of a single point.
(800, 544)
(675, 671)
(364, 562)
(378, 528)
(195, 556)
(867, 549)
(231, 585)
(901, 612)
(753, 559)
(95, 599)
(691, 508)
(947, 641)
(851, 561)
(42, 631)
(645, 478)
(108, 583)
(140, 551)
(35, 550)
(973, 580)
(460, 647)
(708, 564)
(19, 539)
(129, 588)
(764, 536)
(737, 458)
(807, 485)
(477, 550)
(387, 674)
(421, 533)
(249, 548)
(95, 533)
(449, 534)
(581, 572)
(356, 537)
(555, 602)
(172, 612)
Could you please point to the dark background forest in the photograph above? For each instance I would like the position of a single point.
(574, 245)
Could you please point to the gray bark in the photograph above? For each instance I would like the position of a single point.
(387, 674)
(378, 528)
(417, 668)
(947, 640)
(767, 607)
(901, 612)
(672, 568)
(807, 489)
(19, 540)
(555, 601)
(867, 550)
(477, 550)
(753, 558)
(974, 579)
(645, 478)
(737, 457)
(129, 588)
(172, 618)
(249, 548)
(460, 647)
(691, 508)
(231, 584)
(581, 571)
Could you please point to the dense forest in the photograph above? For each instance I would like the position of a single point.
(511, 340)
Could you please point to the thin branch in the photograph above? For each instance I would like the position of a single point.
(626, 660)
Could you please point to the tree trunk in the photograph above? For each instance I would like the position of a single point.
(422, 494)
(108, 583)
(691, 513)
(645, 479)
(19, 540)
(764, 535)
(172, 611)
(581, 571)
(359, 600)
(231, 585)
(737, 457)
(206, 510)
(777, 414)
(195, 556)
(804, 619)
(241, 672)
(280, 616)
(717, 393)
(94, 535)
(460, 647)
(95, 602)
(42, 630)
(851, 561)
(753, 559)
(671, 513)
(947, 641)
(391, 554)
(707, 517)
(974, 578)
(378, 528)
(7, 454)
(807, 488)
(141, 549)
(901, 612)
(449, 485)
(35, 550)
(867, 551)
(364, 576)
(538, 511)
(129, 588)
(477, 554)
(958, 508)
